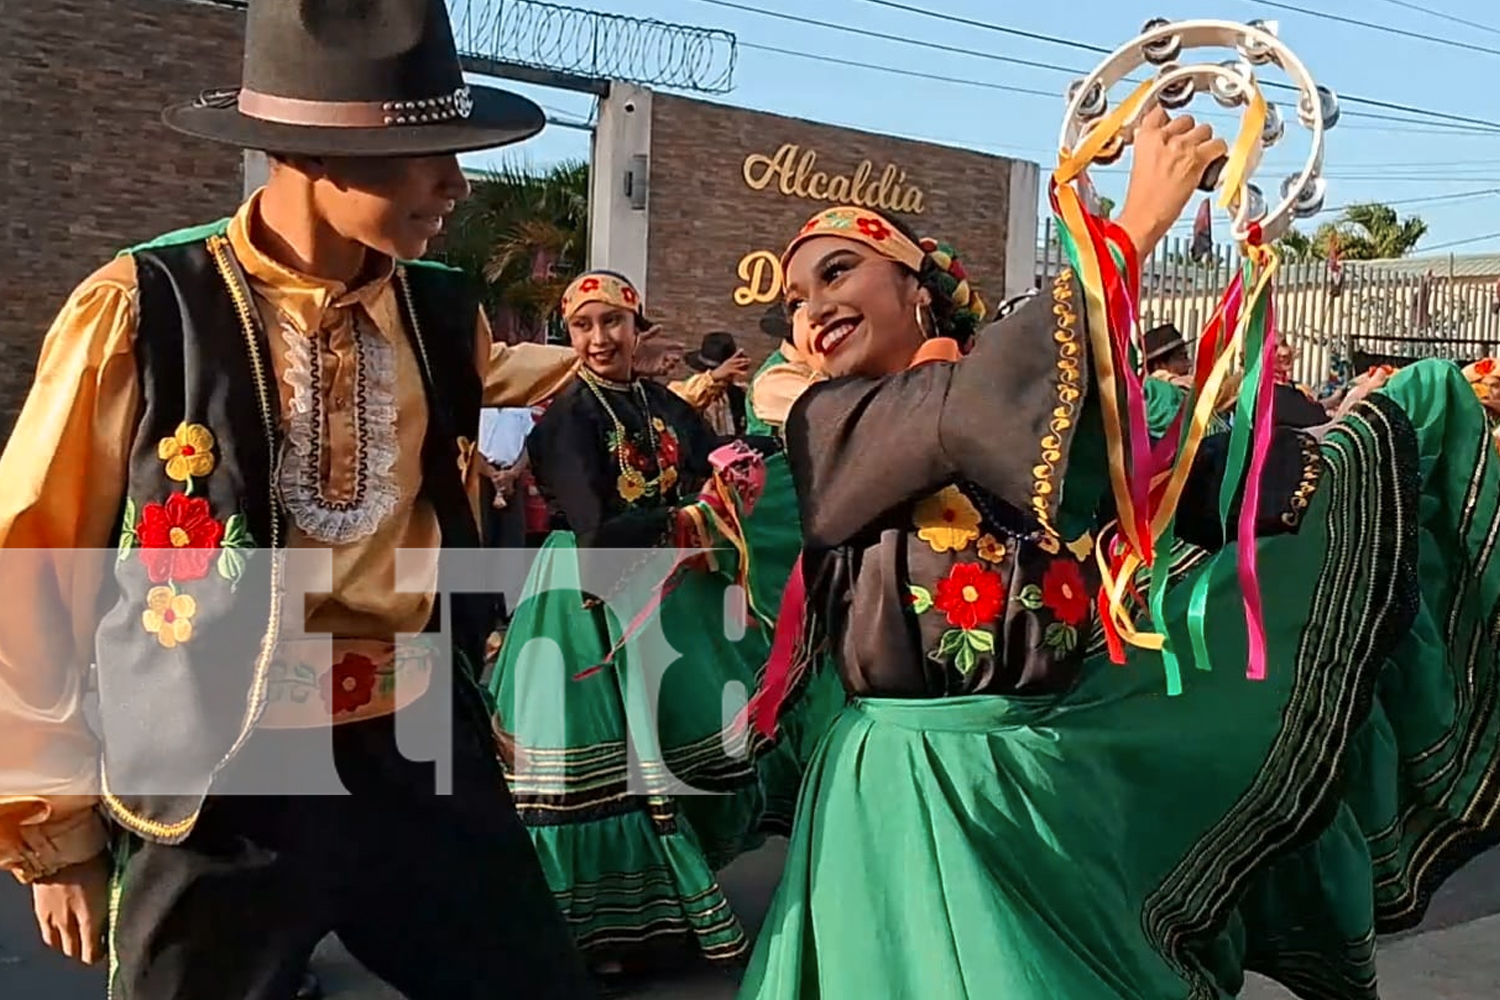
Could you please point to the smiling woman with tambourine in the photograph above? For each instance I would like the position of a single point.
(1089, 753)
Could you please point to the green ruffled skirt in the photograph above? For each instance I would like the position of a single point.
(633, 793)
(1114, 843)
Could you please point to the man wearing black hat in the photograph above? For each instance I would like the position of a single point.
(716, 391)
(1167, 352)
(209, 407)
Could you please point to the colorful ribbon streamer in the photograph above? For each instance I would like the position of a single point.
(1147, 479)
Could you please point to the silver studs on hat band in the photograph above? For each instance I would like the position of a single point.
(430, 110)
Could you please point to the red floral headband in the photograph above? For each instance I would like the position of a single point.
(862, 226)
(601, 286)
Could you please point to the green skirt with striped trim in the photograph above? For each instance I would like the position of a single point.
(633, 793)
(1113, 843)
(773, 536)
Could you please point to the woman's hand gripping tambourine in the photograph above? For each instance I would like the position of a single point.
(1147, 477)
(1092, 132)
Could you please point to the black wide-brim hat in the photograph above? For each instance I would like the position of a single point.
(378, 78)
(1163, 340)
(717, 348)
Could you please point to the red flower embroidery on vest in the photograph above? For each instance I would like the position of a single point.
(178, 539)
(970, 596)
(350, 685)
(1064, 592)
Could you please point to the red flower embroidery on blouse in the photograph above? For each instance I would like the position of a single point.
(350, 685)
(635, 457)
(1064, 592)
(178, 539)
(589, 285)
(970, 596)
(666, 447)
(873, 228)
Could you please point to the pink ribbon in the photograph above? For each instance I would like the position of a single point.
(1260, 449)
(764, 708)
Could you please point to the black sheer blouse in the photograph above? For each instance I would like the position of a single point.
(943, 555)
(618, 459)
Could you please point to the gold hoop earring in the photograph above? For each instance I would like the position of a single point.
(922, 325)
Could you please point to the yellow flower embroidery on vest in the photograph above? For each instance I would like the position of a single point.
(991, 549)
(947, 520)
(169, 616)
(189, 453)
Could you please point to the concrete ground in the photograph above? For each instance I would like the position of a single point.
(1455, 955)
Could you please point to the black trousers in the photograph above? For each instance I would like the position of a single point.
(440, 895)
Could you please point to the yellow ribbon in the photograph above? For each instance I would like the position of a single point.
(1252, 125)
(1071, 164)
(735, 533)
(1097, 319)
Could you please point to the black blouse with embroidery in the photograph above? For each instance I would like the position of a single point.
(618, 459)
(942, 555)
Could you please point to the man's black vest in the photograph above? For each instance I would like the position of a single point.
(183, 655)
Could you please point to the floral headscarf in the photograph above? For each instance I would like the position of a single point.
(607, 287)
(878, 233)
(1484, 376)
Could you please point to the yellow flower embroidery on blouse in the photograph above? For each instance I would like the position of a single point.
(169, 616)
(631, 486)
(947, 520)
(991, 549)
(189, 453)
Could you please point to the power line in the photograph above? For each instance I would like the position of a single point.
(1387, 29)
(1049, 39)
(1186, 224)
(1414, 125)
(1461, 243)
(1441, 16)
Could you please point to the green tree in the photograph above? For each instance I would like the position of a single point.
(1366, 231)
(523, 233)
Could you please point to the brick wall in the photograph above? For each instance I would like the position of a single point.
(88, 168)
(705, 217)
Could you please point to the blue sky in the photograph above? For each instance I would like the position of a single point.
(1448, 174)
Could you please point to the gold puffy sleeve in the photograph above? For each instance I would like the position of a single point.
(520, 374)
(64, 470)
(700, 390)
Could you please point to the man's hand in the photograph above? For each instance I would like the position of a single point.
(505, 481)
(736, 369)
(1362, 388)
(656, 361)
(72, 909)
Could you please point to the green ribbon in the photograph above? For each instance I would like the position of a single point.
(1234, 466)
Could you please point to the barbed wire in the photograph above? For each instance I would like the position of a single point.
(601, 46)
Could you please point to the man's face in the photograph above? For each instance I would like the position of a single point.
(1179, 363)
(395, 206)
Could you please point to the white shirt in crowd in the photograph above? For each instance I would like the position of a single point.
(502, 433)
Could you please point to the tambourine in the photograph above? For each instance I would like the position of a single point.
(1233, 84)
